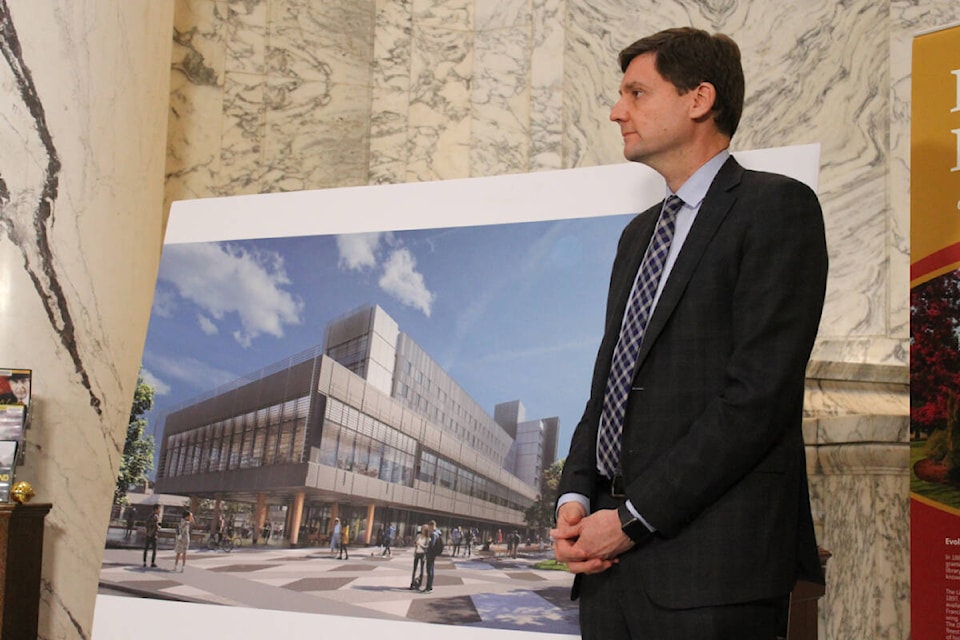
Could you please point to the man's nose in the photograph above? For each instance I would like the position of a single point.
(616, 111)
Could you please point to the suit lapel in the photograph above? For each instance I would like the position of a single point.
(716, 205)
(620, 292)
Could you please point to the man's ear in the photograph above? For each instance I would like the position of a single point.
(704, 97)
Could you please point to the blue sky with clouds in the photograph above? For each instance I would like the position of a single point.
(511, 311)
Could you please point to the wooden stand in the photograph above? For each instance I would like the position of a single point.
(21, 557)
(804, 608)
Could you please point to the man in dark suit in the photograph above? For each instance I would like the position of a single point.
(695, 522)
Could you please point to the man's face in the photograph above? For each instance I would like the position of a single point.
(20, 388)
(653, 117)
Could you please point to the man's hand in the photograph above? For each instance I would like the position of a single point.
(601, 536)
(590, 554)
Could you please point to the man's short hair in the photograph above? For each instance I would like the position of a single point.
(686, 57)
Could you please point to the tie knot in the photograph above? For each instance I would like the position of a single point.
(672, 206)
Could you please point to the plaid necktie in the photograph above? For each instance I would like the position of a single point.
(631, 335)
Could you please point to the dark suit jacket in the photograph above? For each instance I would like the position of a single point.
(713, 454)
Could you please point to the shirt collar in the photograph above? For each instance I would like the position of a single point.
(694, 190)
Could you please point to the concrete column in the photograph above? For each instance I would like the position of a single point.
(371, 511)
(261, 513)
(294, 520)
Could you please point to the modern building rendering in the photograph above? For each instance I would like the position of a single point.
(534, 445)
(368, 429)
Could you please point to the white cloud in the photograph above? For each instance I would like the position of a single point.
(401, 280)
(193, 372)
(207, 325)
(358, 250)
(160, 388)
(164, 302)
(222, 279)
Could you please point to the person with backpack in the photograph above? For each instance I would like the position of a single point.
(388, 540)
(434, 549)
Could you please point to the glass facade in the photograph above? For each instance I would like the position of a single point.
(356, 442)
(271, 435)
(359, 443)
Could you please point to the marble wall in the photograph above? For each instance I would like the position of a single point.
(82, 140)
(298, 94)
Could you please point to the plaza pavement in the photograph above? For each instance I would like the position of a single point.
(487, 590)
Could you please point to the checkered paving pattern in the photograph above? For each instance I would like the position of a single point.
(501, 593)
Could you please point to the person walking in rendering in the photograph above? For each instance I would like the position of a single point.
(335, 536)
(182, 541)
(420, 545)
(150, 530)
(342, 553)
(388, 541)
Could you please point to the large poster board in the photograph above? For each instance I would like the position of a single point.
(482, 202)
(935, 321)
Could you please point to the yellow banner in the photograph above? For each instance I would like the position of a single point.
(935, 156)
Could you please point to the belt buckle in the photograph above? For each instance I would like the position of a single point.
(617, 489)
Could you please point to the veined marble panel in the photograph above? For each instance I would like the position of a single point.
(441, 70)
(864, 520)
(816, 72)
(857, 429)
(320, 40)
(857, 437)
(391, 80)
(316, 135)
(246, 36)
(439, 113)
(873, 350)
(451, 14)
(196, 101)
(82, 141)
(317, 95)
(546, 86)
(503, 14)
(842, 398)
(242, 136)
(500, 120)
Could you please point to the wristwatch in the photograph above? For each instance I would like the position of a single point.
(631, 525)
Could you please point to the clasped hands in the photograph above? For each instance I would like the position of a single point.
(588, 543)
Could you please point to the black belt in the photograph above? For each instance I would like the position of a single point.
(615, 486)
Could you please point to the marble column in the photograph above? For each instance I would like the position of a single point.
(856, 431)
(82, 150)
